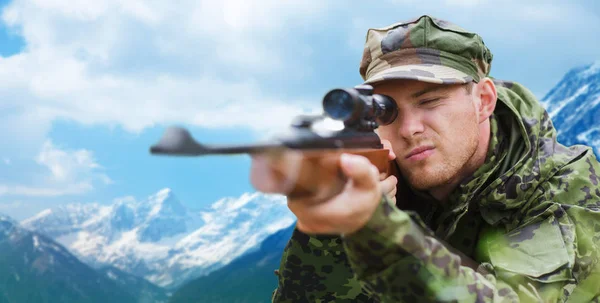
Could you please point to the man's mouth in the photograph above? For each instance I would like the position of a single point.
(420, 153)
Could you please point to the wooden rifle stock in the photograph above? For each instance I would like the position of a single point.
(319, 174)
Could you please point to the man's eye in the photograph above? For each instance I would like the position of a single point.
(428, 101)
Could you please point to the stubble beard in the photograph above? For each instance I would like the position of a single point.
(443, 167)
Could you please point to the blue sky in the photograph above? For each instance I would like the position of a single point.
(87, 86)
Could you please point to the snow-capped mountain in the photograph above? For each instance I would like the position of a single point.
(251, 275)
(158, 238)
(574, 106)
(234, 226)
(160, 216)
(34, 268)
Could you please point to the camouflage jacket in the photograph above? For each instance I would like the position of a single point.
(529, 218)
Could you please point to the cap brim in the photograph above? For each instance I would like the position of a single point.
(421, 72)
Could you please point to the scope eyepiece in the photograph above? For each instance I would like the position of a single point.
(359, 106)
(341, 104)
(385, 108)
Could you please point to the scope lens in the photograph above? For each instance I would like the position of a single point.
(338, 104)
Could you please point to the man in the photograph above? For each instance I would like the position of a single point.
(487, 206)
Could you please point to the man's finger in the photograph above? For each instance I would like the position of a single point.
(387, 145)
(389, 184)
(262, 177)
(360, 170)
(275, 172)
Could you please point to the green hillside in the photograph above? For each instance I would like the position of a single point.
(33, 268)
(250, 278)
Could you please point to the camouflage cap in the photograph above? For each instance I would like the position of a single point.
(425, 49)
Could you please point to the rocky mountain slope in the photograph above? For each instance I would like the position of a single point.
(574, 105)
(34, 268)
(161, 240)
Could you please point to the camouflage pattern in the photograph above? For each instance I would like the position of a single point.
(426, 49)
(529, 218)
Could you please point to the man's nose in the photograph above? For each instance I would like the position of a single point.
(410, 124)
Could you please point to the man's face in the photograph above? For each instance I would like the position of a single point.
(436, 133)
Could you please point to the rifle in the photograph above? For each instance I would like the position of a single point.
(360, 110)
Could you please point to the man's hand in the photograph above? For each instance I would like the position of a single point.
(389, 184)
(351, 209)
(343, 213)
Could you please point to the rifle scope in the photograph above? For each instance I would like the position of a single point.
(355, 105)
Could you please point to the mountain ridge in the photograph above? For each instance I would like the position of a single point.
(34, 268)
(254, 272)
(574, 106)
(161, 240)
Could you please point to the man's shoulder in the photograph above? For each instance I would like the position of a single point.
(514, 93)
(577, 182)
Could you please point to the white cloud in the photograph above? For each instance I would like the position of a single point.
(71, 172)
(69, 165)
(137, 63)
(207, 63)
(30, 191)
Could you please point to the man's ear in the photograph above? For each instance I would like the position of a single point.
(486, 92)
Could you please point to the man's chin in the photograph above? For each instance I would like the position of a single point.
(424, 182)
